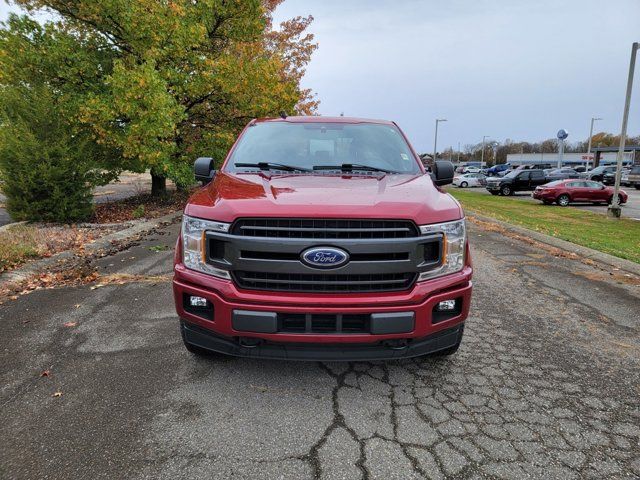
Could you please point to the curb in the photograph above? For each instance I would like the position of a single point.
(9, 226)
(585, 252)
(137, 227)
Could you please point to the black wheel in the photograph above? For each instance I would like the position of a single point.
(506, 190)
(494, 193)
(563, 200)
(464, 185)
(451, 350)
(199, 351)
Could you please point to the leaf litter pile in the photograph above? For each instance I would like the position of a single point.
(140, 206)
(23, 242)
(80, 270)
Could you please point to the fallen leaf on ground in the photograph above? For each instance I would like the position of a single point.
(57, 394)
(45, 373)
(70, 324)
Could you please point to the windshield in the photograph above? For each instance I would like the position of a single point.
(513, 173)
(308, 145)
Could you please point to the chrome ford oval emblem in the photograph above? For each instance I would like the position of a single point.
(324, 257)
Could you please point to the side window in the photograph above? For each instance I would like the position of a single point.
(524, 176)
(536, 174)
(593, 184)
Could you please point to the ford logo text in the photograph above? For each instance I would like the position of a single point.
(324, 257)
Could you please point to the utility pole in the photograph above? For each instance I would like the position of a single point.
(593, 119)
(484, 137)
(435, 140)
(458, 152)
(614, 209)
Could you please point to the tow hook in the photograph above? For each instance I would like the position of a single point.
(399, 344)
(248, 342)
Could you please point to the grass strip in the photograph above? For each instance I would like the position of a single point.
(619, 237)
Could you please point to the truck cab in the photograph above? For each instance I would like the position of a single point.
(322, 239)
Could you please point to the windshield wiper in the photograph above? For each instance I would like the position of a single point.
(349, 167)
(272, 166)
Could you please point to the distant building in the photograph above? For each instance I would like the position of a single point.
(574, 159)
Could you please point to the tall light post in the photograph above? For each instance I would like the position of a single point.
(614, 208)
(593, 119)
(458, 152)
(435, 141)
(484, 137)
(494, 146)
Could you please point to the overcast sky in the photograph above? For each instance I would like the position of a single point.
(516, 69)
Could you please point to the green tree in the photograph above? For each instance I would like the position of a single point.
(177, 78)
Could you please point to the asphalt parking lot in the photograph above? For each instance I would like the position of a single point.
(545, 385)
(630, 210)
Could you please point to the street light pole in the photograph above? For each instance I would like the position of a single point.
(435, 140)
(593, 119)
(484, 137)
(458, 152)
(614, 208)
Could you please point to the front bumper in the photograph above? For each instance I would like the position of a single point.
(439, 341)
(215, 329)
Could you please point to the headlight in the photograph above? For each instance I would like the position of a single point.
(454, 242)
(194, 245)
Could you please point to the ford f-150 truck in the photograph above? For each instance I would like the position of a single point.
(322, 239)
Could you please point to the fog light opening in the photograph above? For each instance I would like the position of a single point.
(196, 301)
(446, 306)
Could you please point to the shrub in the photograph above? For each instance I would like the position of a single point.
(47, 170)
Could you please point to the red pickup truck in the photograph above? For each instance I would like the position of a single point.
(322, 239)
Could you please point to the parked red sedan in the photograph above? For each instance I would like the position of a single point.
(563, 192)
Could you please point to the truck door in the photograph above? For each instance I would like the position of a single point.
(521, 182)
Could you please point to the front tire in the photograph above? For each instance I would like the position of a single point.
(563, 200)
(506, 190)
(464, 185)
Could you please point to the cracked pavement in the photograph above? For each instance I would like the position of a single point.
(545, 385)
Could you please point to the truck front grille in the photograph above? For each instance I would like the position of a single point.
(265, 254)
(323, 228)
(323, 282)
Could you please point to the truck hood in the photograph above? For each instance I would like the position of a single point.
(412, 197)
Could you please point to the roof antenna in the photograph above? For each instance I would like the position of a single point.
(283, 115)
(342, 114)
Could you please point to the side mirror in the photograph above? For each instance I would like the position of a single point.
(203, 168)
(442, 172)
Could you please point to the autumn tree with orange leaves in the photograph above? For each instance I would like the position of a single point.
(161, 83)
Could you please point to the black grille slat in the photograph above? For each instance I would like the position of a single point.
(354, 257)
(324, 283)
(324, 228)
